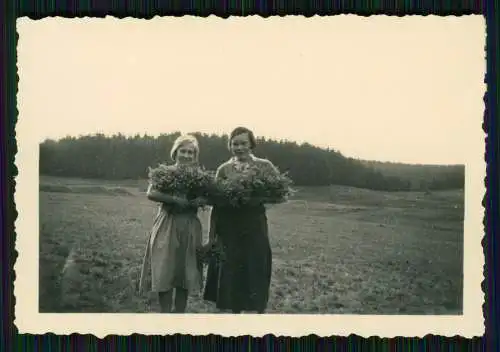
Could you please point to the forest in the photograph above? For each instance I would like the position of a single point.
(119, 157)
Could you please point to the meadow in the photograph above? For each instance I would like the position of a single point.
(336, 250)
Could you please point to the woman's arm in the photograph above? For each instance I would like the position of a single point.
(269, 166)
(160, 197)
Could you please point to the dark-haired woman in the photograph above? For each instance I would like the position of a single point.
(241, 282)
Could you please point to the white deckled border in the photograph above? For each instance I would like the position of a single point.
(28, 320)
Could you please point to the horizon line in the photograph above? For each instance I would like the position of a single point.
(271, 139)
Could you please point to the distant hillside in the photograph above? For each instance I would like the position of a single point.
(422, 176)
(120, 157)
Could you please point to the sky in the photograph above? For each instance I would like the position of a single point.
(379, 88)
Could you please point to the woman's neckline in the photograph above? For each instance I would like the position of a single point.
(251, 158)
(185, 165)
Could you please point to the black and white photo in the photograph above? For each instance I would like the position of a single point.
(290, 175)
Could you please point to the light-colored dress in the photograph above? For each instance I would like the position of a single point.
(170, 260)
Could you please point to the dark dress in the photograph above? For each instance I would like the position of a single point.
(241, 282)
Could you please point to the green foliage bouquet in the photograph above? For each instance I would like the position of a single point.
(255, 186)
(191, 181)
(212, 250)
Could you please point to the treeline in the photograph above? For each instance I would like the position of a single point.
(423, 177)
(120, 157)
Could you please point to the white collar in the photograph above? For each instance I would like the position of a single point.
(235, 160)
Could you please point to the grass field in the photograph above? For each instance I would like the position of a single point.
(335, 250)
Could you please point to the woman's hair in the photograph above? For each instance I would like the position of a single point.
(183, 140)
(241, 130)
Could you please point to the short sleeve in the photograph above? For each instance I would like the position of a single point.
(269, 166)
(220, 173)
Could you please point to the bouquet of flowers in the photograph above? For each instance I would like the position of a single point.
(254, 183)
(211, 250)
(191, 181)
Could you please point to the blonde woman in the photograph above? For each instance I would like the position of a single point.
(170, 261)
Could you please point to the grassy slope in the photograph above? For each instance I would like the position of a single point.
(335, 250)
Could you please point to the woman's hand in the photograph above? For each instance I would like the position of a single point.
(256, 201)
(260, 200)
(182, 202)
(199, 202)
(210, 243)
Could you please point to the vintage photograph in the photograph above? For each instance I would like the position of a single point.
(254, 167)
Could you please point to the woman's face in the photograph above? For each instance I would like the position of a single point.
(241, 146)
(186, 154)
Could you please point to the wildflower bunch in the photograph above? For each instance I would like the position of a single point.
(212, 250)
(191, 181)
(255, 183)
